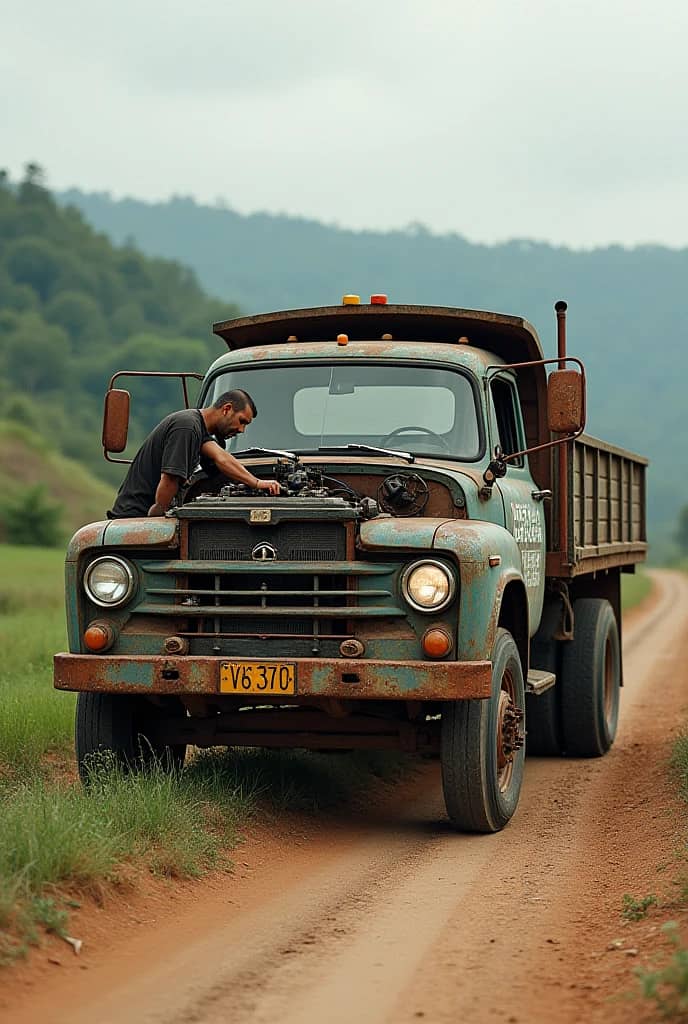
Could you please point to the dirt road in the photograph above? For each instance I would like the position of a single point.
(387, 916)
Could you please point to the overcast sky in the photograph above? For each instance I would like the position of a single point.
(495, 119)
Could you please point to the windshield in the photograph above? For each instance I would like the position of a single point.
(412, 408)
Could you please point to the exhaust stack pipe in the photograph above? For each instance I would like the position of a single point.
(561, 308)
(563, 497)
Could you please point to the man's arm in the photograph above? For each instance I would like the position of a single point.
(232, 468)
(164, 493)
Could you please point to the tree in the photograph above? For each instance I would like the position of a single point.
(681, 535)
(33, 261)
(36, 355)
(32, 187)
(30, 517)
(79, 315)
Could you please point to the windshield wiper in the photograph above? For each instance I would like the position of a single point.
(367, 448)
(266, 451)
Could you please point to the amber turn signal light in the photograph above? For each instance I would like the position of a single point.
(98, 636)
(436, 642)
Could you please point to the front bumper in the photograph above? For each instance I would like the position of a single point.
(316, 677)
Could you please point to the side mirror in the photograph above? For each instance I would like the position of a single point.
(116, 420)
(565, 402)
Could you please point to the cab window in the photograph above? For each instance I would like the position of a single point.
(510, 434)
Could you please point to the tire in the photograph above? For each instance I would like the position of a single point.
(591, 679)
(481, 781)
(543, 713)
(107, 722)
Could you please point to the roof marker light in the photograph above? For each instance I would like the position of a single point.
(342, 339)
(292, 337)
(378, 300)
(463, 340)
(351, 300)
(387, 337)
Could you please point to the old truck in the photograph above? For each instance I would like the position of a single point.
(440, 573)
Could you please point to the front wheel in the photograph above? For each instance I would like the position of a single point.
(482, 747)
(121, 726)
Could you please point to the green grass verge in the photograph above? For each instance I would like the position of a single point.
(34, 720)
(176, 825)
(57, 834)
(634, 589)
(666, 985)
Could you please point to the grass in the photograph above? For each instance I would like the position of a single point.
(55, 835)
(634, 589)
(35, 720)
(667, 984)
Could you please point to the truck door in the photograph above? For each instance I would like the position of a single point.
(524, 516)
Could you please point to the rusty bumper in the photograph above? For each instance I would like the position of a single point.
(315, 677)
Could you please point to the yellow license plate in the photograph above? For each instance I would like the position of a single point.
(268, 678)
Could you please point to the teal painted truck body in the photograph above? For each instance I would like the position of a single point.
(422, 518)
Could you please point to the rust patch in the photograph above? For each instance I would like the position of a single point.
(321, 677)
(565, 401)
(411, 534)
(143, 531)
(90, 536)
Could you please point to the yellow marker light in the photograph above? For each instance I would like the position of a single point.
(351, 300)
(292, 337)
(387, 337)
(342, 339)
(463, 340)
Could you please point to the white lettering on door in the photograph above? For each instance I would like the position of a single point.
(528, 535)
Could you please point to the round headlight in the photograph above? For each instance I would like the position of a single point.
(109, 581)
(428, 586)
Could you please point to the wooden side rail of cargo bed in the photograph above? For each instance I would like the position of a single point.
(606, 509)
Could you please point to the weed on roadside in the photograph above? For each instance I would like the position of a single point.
(667, 986)
(636, 910)
(679, 763)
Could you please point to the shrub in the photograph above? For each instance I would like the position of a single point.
(30, 517)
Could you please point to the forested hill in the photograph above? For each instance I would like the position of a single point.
(74, 308)
(625, 320)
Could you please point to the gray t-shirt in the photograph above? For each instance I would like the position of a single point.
(173, 447)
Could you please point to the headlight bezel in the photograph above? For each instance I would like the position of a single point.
(406, 594)
(130, 575)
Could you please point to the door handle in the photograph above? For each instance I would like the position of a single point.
(541, 495)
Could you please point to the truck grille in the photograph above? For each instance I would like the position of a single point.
(300, 598)
(300, 541)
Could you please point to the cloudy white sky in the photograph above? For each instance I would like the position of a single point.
(496, 119)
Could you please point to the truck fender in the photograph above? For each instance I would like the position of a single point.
(487, 593)
(491, 595)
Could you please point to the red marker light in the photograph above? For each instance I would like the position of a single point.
(378, 300)
(98, 636)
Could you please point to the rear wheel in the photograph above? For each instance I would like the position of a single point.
(482, 749)
(121, 725)
(591, 677)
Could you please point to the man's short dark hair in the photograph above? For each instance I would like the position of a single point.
(237, 399)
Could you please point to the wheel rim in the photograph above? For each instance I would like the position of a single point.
(509, 737)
